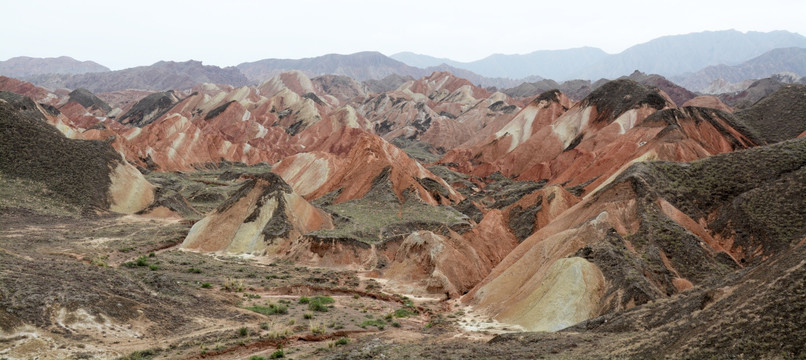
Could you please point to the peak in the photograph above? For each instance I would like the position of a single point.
(187, 62)
(618, 96)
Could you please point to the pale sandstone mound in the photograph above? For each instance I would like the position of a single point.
(570, 293)
(90, 174)
(530, 274)
(259, 217)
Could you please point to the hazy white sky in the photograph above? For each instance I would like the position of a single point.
(122, 34)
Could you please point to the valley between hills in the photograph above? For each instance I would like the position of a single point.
(427, 218)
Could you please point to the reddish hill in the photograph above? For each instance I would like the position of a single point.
(652, 232)
(604, 115)
(539, 113)
(354, 173)
(38, 94)
(442, 110)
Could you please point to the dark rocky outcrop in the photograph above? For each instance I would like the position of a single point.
(150, 108)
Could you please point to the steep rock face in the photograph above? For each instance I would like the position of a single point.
(259, 217)
(89, 174)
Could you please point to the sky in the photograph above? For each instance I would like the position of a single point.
(123, 34)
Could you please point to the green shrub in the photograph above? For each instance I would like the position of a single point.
(342, 341)
(379, 323)
(304, 300)
(153, 267)
(279, 354)
(319, 303)
(269, 310)
(194, 270)
(206, 285)
(256, 357)
(142, 261)
(403, 313)
(140, 355)
(324, 299)
(243, 332)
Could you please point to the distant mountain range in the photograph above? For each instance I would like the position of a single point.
(693, 60)
(549, 64)
(22, 66)
(164, 75)
(791, 60)
(667, 56)
(363, 66)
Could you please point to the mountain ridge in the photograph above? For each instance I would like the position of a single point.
(700, 49)
(22, 66)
